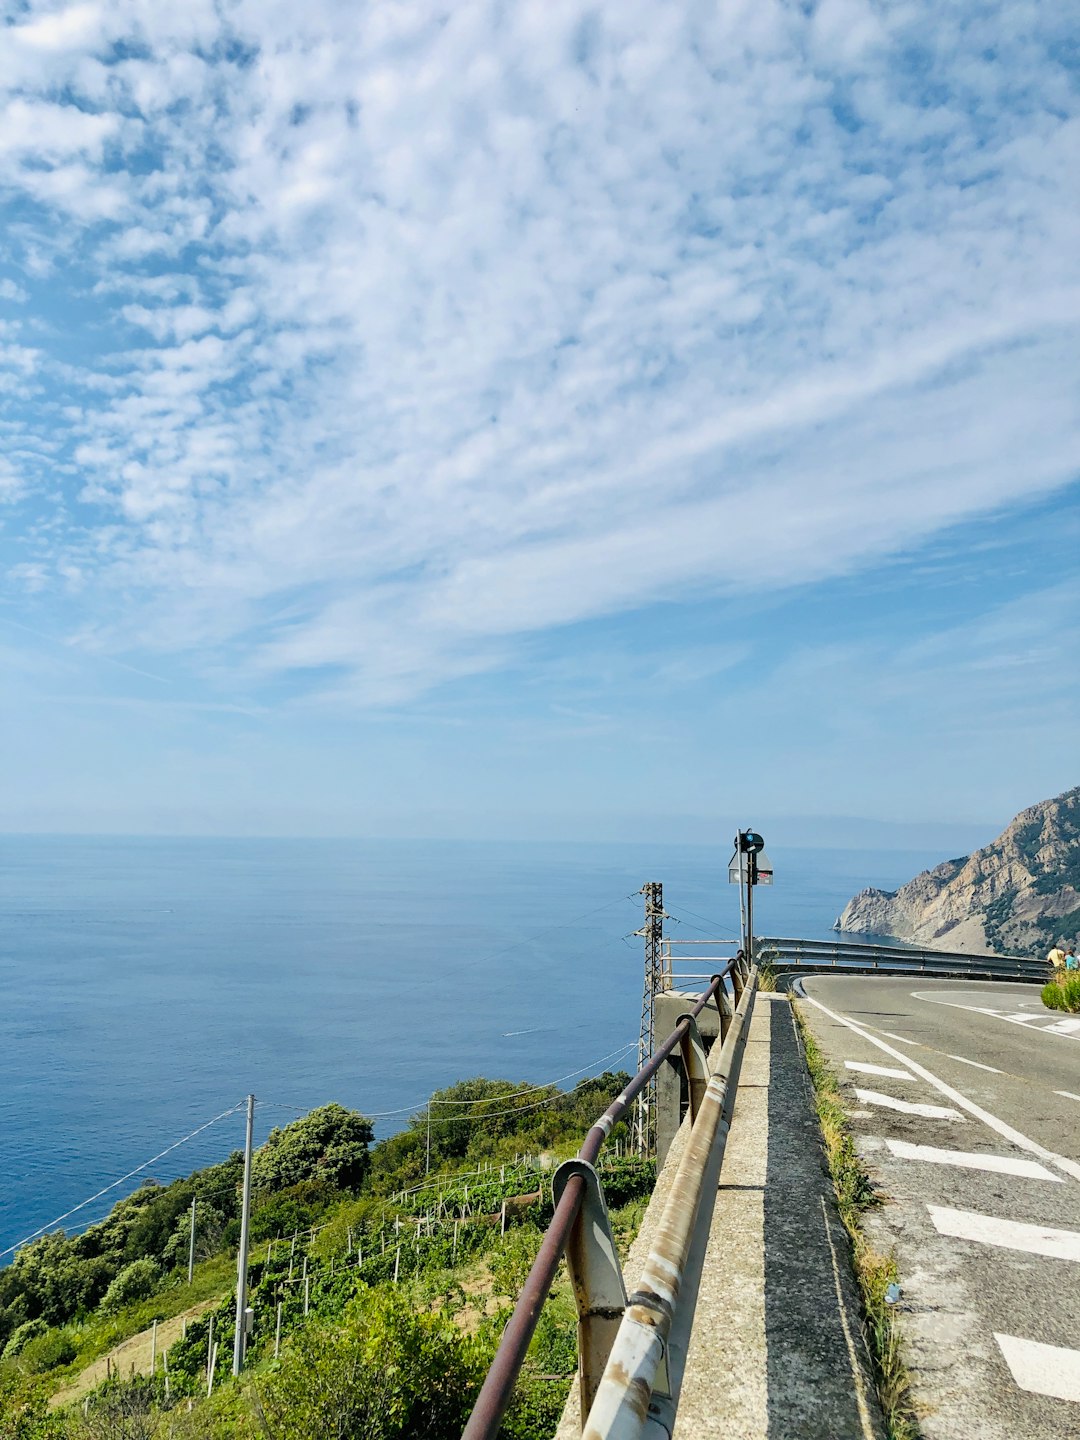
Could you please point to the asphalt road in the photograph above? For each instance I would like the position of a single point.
(965, 1102)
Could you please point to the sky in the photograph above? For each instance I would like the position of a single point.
(552, 420)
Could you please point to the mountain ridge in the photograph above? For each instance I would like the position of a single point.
(1016, 896)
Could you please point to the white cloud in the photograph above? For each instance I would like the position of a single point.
(478, 321)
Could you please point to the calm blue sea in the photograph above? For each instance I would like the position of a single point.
(146, 985)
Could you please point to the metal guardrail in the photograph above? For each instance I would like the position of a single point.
(580, 1229)
(894, 959)
(638, 1393)
(630, 1362)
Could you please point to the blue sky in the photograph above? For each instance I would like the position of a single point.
(549, 419)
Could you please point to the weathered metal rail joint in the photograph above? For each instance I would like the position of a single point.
(639, 1391)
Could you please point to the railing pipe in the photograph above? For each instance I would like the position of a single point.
(498, 1387)
(638, 1362)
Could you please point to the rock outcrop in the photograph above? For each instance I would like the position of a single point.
(1016, 896)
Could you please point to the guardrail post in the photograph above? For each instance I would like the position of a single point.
(595, 1274)
(694, 1063)
(737, 981)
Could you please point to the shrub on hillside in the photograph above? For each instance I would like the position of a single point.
(47, 1352)
(384, 1371)
(134, 1282)
(296, 1208)
(27, 1331)
(330, 1144)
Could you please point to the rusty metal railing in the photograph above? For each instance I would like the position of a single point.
(580, 1229)
(638, 1393)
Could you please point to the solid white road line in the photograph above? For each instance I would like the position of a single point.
(891, 1036)
(972, 1160)
(978, 1065)
(879, 1070)
(1042, 1369)
(1068, 1094)
(1009, 1234)
(907, 1107)
(1015, 1137)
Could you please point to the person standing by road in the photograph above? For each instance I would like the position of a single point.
(1071, 962)
(1056, 959)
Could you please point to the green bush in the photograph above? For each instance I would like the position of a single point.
(47, 1352)
(383, 1369)
(329, 1144)
(1063, 994)
(135, 1282)
(27, 1331)
(512, 1261)
(536, 1409)
(296, 1208)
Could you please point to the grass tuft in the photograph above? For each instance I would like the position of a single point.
(855, 1194)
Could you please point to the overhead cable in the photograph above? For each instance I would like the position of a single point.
(130, 1174)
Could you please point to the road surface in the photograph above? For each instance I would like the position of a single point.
(965, 1103)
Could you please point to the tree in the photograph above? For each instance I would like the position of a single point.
(331, 1144)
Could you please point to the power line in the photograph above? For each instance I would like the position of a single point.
(547, 930)
(130, 1174)
(714, 923)
(519, 1109)
(531, 1089)
(421, 1105)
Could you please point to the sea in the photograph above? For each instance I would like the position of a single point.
(148, 985)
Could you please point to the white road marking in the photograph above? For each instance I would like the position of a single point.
(896, 1037)
(1042, 1369)
(1013, 1019)
(1009, 1234)
(879, 1070)
(1015, 1137)
(978, 1065)
(971, 1160)
(1068, 1094)
(907, 1107)
(1064, 1027)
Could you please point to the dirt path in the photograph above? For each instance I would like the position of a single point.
(131, 1354)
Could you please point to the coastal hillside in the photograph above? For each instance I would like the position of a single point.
(1016, 896)
(380, 1279)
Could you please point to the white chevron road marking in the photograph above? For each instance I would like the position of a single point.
(972, 1160)
(1035, 1020)
(1042, 1369)
(977, 1064)
(865, 1069)
(1008, 1234)
(1064, 1027)
(907, 1107)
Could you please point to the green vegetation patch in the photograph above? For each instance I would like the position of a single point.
(1063, 994)
(875, 1273)
(379, 1291)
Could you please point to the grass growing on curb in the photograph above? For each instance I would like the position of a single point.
(766, 963)
(874, 1272)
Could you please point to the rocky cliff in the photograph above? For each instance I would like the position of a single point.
(1015, 896)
